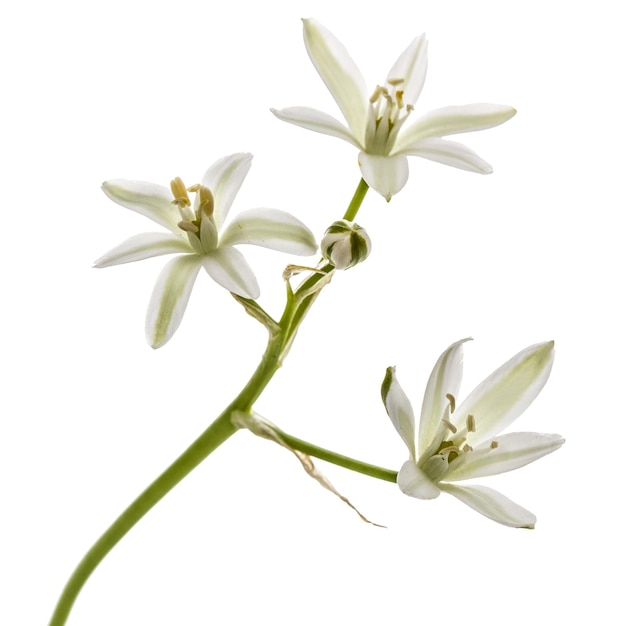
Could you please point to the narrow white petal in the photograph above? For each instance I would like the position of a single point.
(144, 246)
(399, 409)
(385, 174)
(227, 267)
(411, 66)
(318, 121)
(153, 201)
(340, 74)
(451, 120)
(449, 153)
(445, 379)
(270, 228)
(413, 482)
(492, 504)
(224, 178)
(513, 451)
(504, 395)
(169, 298)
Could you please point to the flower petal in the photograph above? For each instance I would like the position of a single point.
(504, 395)
(153, 201)
(411, 66)
(340, 74)
(444, 379)
(320, 122)
(224, 178)
(449, 153)
(144, 246)
(512, 452)
(492, 504)
(399, 409)
(169, 298)
(270, 228)
(227, 267)
(413, 482)
(386, 174)
(455, 119)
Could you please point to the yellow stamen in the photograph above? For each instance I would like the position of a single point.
(452, 402)
(493, 445)
(470, 422)
(467, 448)
(450, 449)
(206, 201)
(449, 425)
(180, 193)
(376, 94)
(187, 226)
(394, 82)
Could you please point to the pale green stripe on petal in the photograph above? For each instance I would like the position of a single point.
(270, 228)
(504, 395)
(228, 268)
(315, 120)
(492, 504)
(143, 246)
(399, 409)
(169, 298)
(451, 120)
(340, 74)
(153, 201)
(513, 451)
(385, 174)
(444, 379)
(448, 153)
(411, 66)
(224, 178)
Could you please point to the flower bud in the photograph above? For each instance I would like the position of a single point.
(345, 244)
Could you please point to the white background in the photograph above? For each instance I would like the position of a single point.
(90, 414)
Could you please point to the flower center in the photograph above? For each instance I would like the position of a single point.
(387, 113)
(197, 222)
(452, 443)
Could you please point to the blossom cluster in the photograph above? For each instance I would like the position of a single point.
(451, 443)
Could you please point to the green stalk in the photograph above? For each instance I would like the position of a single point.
(338, 459)
(213, 437)
(356, 202)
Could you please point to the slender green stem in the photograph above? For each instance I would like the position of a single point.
(218, 432)
(215, 435)
(338, 459)
(356, 202)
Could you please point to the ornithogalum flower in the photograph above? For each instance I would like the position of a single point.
(457, 443)
(376, 118)
(196, 231)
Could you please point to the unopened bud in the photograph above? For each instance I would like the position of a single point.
(345, 244)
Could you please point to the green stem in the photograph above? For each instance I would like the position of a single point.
(356, 202)
(214, 436)
(338, 459)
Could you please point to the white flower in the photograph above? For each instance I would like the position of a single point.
(374, 122)
(461, 444)
(196, 233)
